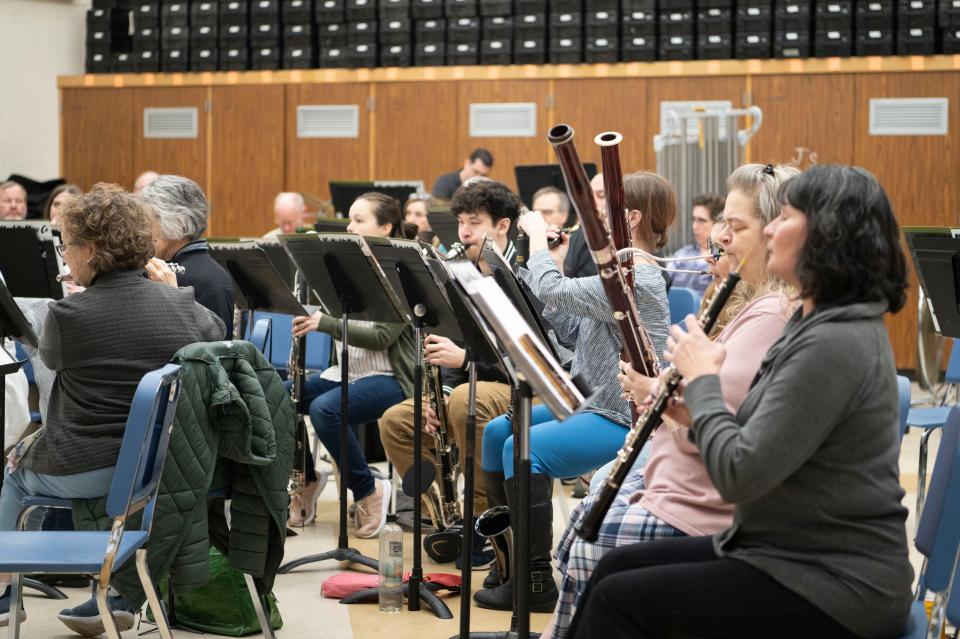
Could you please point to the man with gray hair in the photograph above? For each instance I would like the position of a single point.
(180, 213)
(554, 205)
(143, 181)
(289, 214)
(13, 201)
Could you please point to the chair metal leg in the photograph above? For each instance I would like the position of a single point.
(259, 605)
(106, 615)
(13, 630)
(159, 614)
(922, 472)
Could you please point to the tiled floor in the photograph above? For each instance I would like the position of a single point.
(307, 614)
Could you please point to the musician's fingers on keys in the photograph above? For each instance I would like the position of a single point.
(440, 351)
(430, 422)
(691, 352)
(303, 324)
(533, 224)
(158, 271)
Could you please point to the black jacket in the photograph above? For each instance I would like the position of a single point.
(212, 285)
(579, 262)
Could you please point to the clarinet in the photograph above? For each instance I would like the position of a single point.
(449, 506)
(636, 343)
(588, 528)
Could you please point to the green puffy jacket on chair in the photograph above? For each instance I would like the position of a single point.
(234, 431)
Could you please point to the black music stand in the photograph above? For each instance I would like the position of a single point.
(936, 259)
(341, 270)
(406, 269)
(528, 374)
(28, 259)
(15, 326)
(533, 177)
(445, 225)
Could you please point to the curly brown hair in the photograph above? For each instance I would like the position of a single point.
(115, 223)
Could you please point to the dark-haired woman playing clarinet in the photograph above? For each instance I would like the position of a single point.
(818, 544)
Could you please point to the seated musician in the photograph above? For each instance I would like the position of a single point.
(415, 212)
(818, 545)
(381, 374)
(672, 496)
(580, 313)
(554, 205)
(484, 208)
(180, 213)
(98, 354)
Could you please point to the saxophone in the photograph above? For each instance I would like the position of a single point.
(442, 502)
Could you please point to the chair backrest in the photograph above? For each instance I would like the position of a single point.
(319, 345)
(683, 301)
(27, 364)
(144, 447)
(903, 390)
(261, 336)
(938, 535)
(952, 375)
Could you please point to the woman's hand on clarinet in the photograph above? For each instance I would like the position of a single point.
(440, 351)
(692, 353)
(676, 407)
(303, 324)
(158, 271)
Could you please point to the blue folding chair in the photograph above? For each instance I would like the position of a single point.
(683, 301)
(31, 378)
(931, 420)
(276, 345)
(938, 539)
(903, 390)
(136, 480)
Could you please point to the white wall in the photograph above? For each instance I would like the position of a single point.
(41, 40)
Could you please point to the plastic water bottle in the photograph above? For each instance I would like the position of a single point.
(391, 566)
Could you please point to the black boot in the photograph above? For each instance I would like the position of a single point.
(543, 588)
(496, 496)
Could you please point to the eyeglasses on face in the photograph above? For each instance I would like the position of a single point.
(715, 250)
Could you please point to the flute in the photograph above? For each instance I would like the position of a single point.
(173, 266)
(588, 528)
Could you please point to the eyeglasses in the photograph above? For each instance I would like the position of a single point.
(716, 251)
(62, 248)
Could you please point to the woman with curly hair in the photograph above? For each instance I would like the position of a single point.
(818, 544)
(98, 354)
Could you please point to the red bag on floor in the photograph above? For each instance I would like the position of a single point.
(347, 583)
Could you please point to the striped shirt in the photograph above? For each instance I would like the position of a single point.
(579, 312)
(363, 362)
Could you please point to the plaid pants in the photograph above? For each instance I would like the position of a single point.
(625, 523)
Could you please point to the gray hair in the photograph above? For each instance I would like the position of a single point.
(552, 190)
(179, 206)
(293, 197)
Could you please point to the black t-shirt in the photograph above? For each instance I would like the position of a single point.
(446, 185)
(212, 285)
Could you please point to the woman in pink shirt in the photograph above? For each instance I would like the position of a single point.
(673, 496)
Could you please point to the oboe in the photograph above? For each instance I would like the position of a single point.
(589, 527)
(636, 343)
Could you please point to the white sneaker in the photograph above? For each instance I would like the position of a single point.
(372, 510)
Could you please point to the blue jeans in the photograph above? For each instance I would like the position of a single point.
(557, 449)
(23, 482)
(368, 398)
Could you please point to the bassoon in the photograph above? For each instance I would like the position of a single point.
(589, 526)
(638, 348)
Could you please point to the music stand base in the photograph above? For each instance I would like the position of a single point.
(49, 591)
(427, 596)
(351, 555)
(499, 634)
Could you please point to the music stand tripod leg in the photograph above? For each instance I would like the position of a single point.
(342, 552)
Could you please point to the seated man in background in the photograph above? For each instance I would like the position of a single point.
(707, 208)
(143, 181)
(479, 163)
(289, 214)
(554, 205)
(13, 201)
(179, 221)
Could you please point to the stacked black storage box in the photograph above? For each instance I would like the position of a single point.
(175, 36)
(108, 44)
(530, 32)
(638, 30)
(754, 29)
(916, 27)
(715, 34)
(297, 34)
(565, 31)
(330, 33)
(678, 29)
(833, 28)
(792, 22)
(204, 35)
(234, 35)
(875, 27)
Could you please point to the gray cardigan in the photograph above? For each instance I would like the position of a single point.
(810, 461)
(578, 310)
(100, 342)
